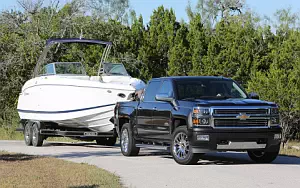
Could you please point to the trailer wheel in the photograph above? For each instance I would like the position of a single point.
(111, 141)
(37, 138)
(28, 134)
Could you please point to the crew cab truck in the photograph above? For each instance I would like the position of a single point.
(192, 116)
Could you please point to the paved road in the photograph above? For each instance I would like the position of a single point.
(157, 169)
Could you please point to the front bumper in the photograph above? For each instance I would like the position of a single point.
(234, 139)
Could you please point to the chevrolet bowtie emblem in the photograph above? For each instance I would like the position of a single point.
(243, 116)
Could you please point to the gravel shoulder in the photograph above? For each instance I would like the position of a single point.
(158, 169)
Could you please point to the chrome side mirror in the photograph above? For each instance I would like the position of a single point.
(164, 97)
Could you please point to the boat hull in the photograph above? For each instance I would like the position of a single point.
(77, 103)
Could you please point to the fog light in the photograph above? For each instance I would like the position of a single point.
(204, 121)
(277, 136)
(274, 120)
(203, 137)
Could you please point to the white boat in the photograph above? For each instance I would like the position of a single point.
(62, 93)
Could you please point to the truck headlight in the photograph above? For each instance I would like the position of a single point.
(201, 111)
(201, 121)
(201, 116)
(274, 119)
(274, 111)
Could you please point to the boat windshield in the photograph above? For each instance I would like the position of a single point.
(67, 68)
(114, 69)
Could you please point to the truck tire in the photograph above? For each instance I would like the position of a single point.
(127, 142)
(263, 156)
(37, 138)
(180, 147)
(111, 141)
(28, 134)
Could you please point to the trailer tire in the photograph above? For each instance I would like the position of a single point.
(37, 138)
(28, 134)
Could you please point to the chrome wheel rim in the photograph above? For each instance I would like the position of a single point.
(181, 146)
(27, 133)
(124, 140)
(34, 135)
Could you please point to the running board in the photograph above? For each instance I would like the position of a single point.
(154, 147)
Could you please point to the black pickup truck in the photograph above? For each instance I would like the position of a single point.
(191, 116)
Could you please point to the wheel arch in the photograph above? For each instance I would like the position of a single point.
(184, 119)
(121, 122)
(178, 122)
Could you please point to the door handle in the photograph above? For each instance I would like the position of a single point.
(154, 108)
(140, 108)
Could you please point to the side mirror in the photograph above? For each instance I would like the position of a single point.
(253, 95)
(164, 97)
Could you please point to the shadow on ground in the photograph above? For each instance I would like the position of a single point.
(232, 158)
(221, 158)
(16, 157)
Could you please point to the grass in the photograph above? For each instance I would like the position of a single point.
(19, 170)
(289, 151)
(9, 133)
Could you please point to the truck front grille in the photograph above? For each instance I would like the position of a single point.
(238, 111)
(240, 123)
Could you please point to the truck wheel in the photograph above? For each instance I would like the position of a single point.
(111, 141)
(37, 138)
(180, 148)
(28, 134)
(263, 156)
(127, 142)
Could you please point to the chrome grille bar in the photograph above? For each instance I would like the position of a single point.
(240, 123)
(238, 111)
(228, 116)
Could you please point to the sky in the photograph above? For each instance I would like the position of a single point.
(146, 7)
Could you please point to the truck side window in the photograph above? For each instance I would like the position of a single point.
(151, 91)
(166, 87)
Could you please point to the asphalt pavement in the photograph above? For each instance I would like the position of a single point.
(157, 168)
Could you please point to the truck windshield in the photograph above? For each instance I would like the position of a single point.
(208, 89)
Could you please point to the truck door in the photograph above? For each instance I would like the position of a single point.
(161, 118)
(145, 109)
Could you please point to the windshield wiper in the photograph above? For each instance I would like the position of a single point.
(216, 97)
(188, 99)
(207, 97)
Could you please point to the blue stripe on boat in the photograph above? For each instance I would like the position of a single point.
(66, 111)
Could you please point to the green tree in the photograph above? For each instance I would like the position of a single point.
(159, 38)
(180, 62)
(282, 87)
(198, 40)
